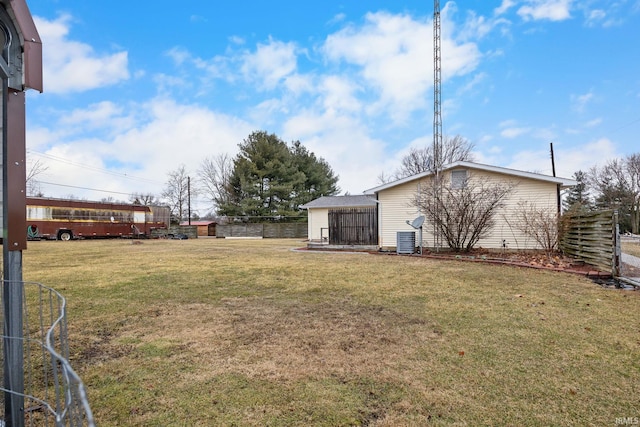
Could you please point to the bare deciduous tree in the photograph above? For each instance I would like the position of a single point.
(542, 224)
(143, 199)
(464, 213)
(213, 176)
(176, 191)
(34, 169)
(618, 186)
(384, 178)
(422, 159)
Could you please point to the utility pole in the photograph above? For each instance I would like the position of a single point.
(189, 198)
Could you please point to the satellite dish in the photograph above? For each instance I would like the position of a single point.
(417, 223)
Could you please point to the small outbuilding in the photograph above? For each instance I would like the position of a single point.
(204, 228)
(319, 210)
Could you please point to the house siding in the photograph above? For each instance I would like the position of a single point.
(395, 209)
(318, 218)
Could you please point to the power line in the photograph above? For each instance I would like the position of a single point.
(85, 188)
(625, 125)
(93, 168)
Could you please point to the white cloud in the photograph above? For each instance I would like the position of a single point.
(475, 26)
(510, 129)
(552, 10)
(339, 95)
(298, 84)
(514, 132)
(179, 55)
(270, 63)
(595, 16)
(390, 53)
(593, 123)
(340, 17)
(506, 5)
(170, 134)
(580, 102)
(198, 18)
(344, 143)
(70, 66)
(101, 115)
(237, 40)
(399, 65)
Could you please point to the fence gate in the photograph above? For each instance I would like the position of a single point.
(353, 226)
(594, 237)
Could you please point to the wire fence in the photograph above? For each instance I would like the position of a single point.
(631, 258)
(50, 391)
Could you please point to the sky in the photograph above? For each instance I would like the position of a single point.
(133, 90)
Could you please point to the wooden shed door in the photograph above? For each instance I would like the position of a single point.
(353, 226)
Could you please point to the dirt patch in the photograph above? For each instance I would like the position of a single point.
(282, 340)
(100, 348)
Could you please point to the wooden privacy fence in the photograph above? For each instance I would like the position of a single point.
(353, 226)
(285, 230)
(594, 238)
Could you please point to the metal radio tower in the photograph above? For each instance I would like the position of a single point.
(437, 119)
(437, 89)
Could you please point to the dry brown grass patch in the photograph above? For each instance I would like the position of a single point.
(291, 340)
(631, 248)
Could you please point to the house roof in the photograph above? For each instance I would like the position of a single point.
(563, 182)
(340, 202)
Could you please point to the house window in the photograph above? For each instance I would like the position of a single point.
(458, 179)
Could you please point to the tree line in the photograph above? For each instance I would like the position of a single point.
(267, 178)
(614, 185)
(270, 178)
(466, 213)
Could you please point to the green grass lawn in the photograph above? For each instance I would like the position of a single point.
(250, 333)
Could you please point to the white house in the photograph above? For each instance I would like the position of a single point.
(396, 207)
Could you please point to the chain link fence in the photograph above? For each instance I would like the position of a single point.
(50, 393)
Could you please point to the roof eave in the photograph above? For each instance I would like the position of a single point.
(563, 182)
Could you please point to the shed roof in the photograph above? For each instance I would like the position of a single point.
(200, 223)
(563, 182)
(340, 202)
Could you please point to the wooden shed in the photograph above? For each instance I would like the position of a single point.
(320, 210)
(205, 228)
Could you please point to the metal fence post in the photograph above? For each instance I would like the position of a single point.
(617, 250)
(20, 69)
(13, 292)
